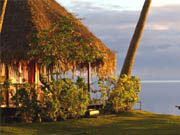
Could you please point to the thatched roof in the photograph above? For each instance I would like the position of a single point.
(25, 16)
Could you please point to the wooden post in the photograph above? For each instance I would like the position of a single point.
(36, 77)
(7, 78)
(48, 72)
(20, 73)
(89, 77)
(35, 73)
(31, 72)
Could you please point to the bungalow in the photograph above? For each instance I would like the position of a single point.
(21, 18)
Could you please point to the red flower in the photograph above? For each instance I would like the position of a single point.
(79, 23)
(49, 35)
(27, 37)
(79, 34)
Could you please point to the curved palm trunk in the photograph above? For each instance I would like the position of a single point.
(129, 61)
(3, 10)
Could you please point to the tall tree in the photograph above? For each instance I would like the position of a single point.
(129, 60)
(3, 10)
(2, 14)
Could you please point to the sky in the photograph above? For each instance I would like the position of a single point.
(114, 21)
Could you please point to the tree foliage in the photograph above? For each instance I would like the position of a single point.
(62, 44)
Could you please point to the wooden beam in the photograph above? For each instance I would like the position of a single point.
(37, 73)
(89, 77)
(20, 72)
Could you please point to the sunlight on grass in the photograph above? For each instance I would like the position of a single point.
(131, 123)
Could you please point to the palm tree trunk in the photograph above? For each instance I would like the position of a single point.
(129, 61)
(2, 14)
(3, 10)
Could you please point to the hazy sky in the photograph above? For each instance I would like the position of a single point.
(118, 4)
(114, 21)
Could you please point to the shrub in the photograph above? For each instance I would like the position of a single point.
(29, 108)
(65, 99)
(3, 89)
(125, 94)
(105, 87)
(52, 91)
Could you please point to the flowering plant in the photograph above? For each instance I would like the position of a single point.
(125, 94)
(65, 99)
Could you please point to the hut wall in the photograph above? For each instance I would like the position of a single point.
(17, 73)
(21, 73)
(14, 77)
(13, 74)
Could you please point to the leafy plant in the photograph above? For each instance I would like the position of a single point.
(3, 89)
(29, 108)
(74, 99)
(81, 84)
(62, 44)
(124, 95)
(106, 85)
(52, 90)
(65, 99)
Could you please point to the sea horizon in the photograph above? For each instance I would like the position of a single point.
(160, 81)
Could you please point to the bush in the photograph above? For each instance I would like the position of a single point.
(3, 89)
(65, 99)
(125, 94)
(29, 108)
(105, 87)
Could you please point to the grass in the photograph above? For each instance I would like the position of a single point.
(131, 123)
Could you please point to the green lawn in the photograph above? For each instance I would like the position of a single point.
(131, 123)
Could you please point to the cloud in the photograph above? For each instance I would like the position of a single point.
(76, 1)
(162, 3)
(128, 26)
(158, 52)
(118, 5)
(157, 27)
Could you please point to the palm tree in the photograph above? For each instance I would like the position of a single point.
(129, 61)
(3, 10)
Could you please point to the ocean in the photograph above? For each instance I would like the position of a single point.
(160, 96)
